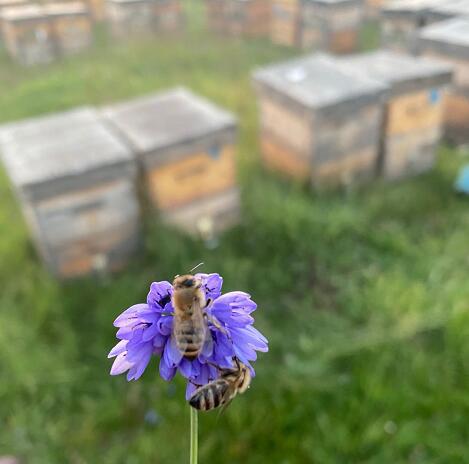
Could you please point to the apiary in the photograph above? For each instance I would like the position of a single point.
(285, 22)
(75, 181)
(331, 25)
(249, 18)
(401, 21)
(186, 149)
(28, 34)
(413, 122)
(132, 17)
(71, 26)
(448, 41)
(319, 121)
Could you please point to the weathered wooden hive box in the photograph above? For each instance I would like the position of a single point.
(72, 26)
(249, 18)
(186, 149)
(28, 34)
(285, 22)
(449, 41)
(131, 17)
(447, 10)
(319, 120)
(76, 183)
(331, 25)
(401, 21)
(414, 108)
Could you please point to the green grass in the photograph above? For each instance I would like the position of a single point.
(364, 298)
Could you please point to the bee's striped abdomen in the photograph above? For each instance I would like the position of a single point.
(190, 340)
(210, 396)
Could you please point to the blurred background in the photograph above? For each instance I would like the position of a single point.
(322, 184)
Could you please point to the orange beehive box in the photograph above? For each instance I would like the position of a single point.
(448, 41)
(186, 149)
(414, 108)
(319, 120)
(76, 184)
(331, 25)
(285, 22)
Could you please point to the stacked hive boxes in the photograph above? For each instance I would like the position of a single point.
(414, 108)
(319, 120)
(185, 146)
(75, 182)
(449, 42)
(285, 22)
(331, 25)
(28, 35)
(250, 18)
(401, 20)
(39, 34)
(71, 26)
(128, 17)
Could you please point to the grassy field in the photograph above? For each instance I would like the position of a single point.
(364, 298)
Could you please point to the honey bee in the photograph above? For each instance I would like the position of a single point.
(221, 391)
(190, 330)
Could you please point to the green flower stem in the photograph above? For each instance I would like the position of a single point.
(194, 436)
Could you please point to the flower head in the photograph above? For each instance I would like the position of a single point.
(145, 330)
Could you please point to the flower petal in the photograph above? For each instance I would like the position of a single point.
(159, 295)
(120, 364)
(118, 349)
(166, 372)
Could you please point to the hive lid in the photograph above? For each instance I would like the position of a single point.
(452, 8)
(159, 121)
(401, 72)
(453, 33)
(22, 13)
(409, 7)
(68, 8)
(67, 145)
(318, 81)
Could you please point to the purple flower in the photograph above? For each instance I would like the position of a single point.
(144, 330)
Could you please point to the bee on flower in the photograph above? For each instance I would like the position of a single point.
(193, 328)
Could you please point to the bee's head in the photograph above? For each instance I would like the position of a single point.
(186, 281)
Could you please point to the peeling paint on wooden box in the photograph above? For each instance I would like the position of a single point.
(319, 120)
(414, 108)
(249, 18)
(132, 17)
(76, 183)
(331, 25)
(448, 41)
(185, 146)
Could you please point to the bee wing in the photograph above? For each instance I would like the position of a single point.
(228, 398)
(207, 348)
(176, 351)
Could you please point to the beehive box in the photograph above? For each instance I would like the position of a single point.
(331, 25)
(250, 18)
(414, 108)
(285, 22)
(401, 21)
(28, 34)
(449, 42)
(319, 120)
(186, 149)
(71, 26)
(132, 17)
(76, 184)
(373, 8)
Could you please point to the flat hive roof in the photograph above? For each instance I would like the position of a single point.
(453, 31)
(394, 68)
(317, 81)
(162, 120)
(41, 150)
